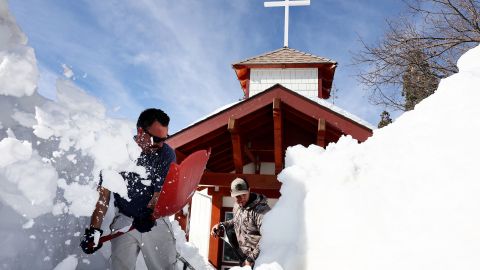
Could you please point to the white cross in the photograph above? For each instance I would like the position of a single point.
(287, 4)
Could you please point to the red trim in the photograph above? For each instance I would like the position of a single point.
(320, 87)
(288, 65)
(237, 155)
(247, 85)
(223, 180)
(248, 106)
(243, 76)
(277, 134)
(325, 82)
(213, 256)
(321, 133)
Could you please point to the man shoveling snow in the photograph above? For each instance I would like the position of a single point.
(153, 237)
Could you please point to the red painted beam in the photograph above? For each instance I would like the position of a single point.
(236, 145)
(213, 256)
(258, 181)
(306, 106)
(321, 133)
(277, 135)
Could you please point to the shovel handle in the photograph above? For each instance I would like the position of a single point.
(114, 235)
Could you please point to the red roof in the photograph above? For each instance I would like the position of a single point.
(255, 121)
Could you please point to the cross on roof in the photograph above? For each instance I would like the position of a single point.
(287, 4)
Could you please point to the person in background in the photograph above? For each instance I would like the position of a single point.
(248, 213)
(154, 238)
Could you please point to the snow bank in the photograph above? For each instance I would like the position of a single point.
(188, 250)
(405, 199)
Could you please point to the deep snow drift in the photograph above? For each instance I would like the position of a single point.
(408, 198)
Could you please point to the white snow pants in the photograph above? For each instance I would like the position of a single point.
(157, 245)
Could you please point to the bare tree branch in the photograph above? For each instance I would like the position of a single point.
(449, 28)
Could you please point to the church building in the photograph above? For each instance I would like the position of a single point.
(285, 104)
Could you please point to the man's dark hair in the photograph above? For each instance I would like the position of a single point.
(151, 115)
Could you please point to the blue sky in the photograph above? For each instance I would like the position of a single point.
(177, 54)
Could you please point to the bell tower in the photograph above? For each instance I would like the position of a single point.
(303, 73)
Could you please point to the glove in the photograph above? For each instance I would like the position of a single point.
(218, 230)
(88, 242)
(144, 222)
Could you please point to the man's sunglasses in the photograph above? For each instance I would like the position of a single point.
(153, 138)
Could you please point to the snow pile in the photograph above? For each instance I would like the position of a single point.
(18, 69)
(188, 250)
(405, 199)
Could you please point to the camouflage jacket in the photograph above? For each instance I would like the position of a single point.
(247, 222)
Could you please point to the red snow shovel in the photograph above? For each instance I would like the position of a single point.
(179, 186)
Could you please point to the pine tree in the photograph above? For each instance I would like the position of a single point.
(418, 80)
(384, 119)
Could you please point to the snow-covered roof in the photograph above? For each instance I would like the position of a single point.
(343, 112)
(218, 110)
(317, 100)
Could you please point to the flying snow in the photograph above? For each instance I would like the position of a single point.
(52, 156)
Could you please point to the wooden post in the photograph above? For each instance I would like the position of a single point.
(236, 145)
(213, 255)
(321, 133)
(277, 135)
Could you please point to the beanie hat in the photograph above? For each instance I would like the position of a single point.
(239, 187)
